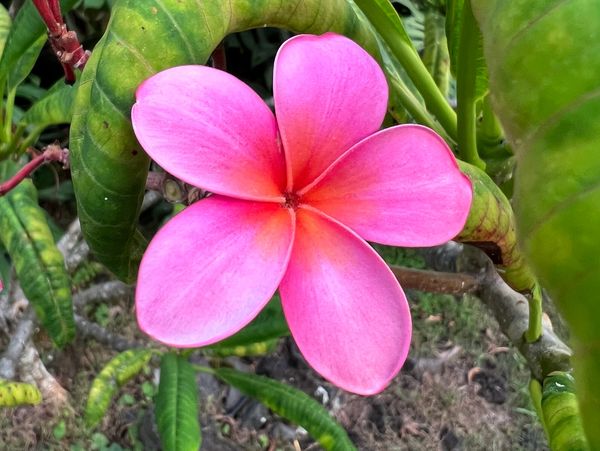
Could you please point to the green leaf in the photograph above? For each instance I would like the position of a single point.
(23, 66)
(386, 14)
(258, 337)
(561, 413)
(40, 267)
(177, 405)
(55, 107)
(14, 394)
(291, 404)
(5, 23)
(109, 168)
(544, 84)
(26, 33)
(59, 430)
(435, 53)
(454, 27)
(117, 372)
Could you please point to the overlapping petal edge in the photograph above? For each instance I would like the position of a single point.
(293, 215)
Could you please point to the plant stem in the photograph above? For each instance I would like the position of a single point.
(392, 31)
(534, 331)
(466, 89)
(219, 59)
(417, 111)
(9, 108)
(31, 139)
(48, 16)
(13, 142)
(435, 281)
(490, 126)
(535, 391)
(52, 153)
(64, 43)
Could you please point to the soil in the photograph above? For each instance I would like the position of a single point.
(462, 388)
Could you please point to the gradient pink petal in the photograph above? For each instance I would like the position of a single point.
(210, 270)
(345, 309)
(400, 186)
(329, 94)
(209, 129)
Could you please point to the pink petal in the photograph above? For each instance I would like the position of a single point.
(329, 94)
(210, 270)
(344, 307)
(400, 186)
(209, 129)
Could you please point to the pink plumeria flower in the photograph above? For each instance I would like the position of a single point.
(294, 200)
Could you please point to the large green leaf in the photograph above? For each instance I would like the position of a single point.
(5, 24)
(40, 267)
(292, 404)
(177, 405)
(108, 166)
(543, 58)
(454, 27)
(117, 372)
(55, 107)
(23, 66)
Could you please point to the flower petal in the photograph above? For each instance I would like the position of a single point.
(210, 270)
(345, 309)
(329, 94)
(209, 129)
(400, 186)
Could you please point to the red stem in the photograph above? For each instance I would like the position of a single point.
(55, 8)
(218, 57)
(65, 43)
(47, 14)
(52, 153)
(69, 74)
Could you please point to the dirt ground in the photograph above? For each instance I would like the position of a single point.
(463, 388)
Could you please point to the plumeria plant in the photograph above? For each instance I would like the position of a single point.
(481, 129)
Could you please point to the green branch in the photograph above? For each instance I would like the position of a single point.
(466, 74)
(389, 26)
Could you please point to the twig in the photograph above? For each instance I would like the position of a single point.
(155, 180)
(434, 281)
(510, 308)
(172, 189)
(114, 341)
(77, 256)
(151, 198)
(51, 153)
(33, 371)
(70, 239)
(22, 355)
(104, 292)
(18, 341)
